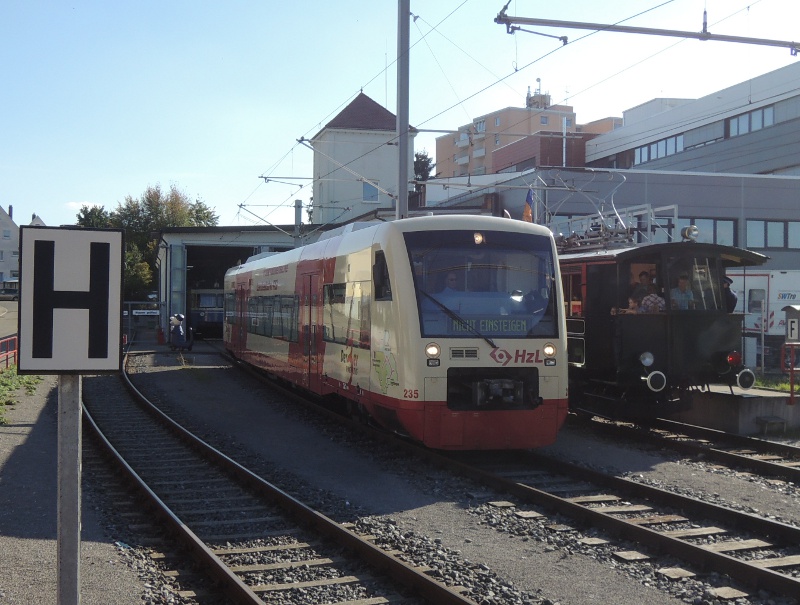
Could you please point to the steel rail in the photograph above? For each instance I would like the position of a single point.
(408, 575)
(232, 585)
(741, 570)
(713, 452)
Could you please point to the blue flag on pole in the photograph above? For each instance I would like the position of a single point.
(527, 213)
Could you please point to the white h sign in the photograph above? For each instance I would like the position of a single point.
(70, 308)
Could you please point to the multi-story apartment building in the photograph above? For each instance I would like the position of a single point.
(471, 149)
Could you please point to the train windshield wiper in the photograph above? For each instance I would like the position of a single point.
(461, 321)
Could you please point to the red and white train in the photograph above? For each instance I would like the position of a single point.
(449, 330)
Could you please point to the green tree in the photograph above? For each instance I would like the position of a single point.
(93, 216)
(138, 273)
(423, 167)
(153, 211)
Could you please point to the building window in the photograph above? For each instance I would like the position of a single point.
(793, 228)
(497, 121)
(725, 233)
(755, 234)
(714, 231)
(543, 120)
(497, 139)
(775, 235)
(480, 126)
(2, 257)
(6, 234)
(370, 192)
(751, 121)
(569, 122)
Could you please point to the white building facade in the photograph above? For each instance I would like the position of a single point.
(356, 163)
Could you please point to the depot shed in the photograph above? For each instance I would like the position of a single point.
(193, 258)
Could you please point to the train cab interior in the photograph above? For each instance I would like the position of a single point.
(477, 282)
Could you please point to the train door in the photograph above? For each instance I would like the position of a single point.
(312, 334)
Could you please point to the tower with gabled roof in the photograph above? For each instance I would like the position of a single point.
(356, 162)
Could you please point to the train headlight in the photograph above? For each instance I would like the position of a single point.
(517, 296)
(647, 359)
(734, 359)
(549, 350)
(432, 350)
(478, 237)
(690, 233)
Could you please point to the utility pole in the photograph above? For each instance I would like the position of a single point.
(298, 219)
(403, 36)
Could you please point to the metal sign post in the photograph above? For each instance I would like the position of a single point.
(70, 323)
(69, 492)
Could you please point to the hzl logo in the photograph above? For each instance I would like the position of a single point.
(503, 357)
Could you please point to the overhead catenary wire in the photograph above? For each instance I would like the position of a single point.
(503, 79)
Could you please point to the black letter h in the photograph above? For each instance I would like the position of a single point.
(46, 299)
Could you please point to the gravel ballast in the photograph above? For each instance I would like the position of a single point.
(433, 518)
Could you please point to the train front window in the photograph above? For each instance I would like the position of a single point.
(694, 284)
(492, 284)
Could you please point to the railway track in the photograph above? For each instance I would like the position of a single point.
(763, 457)
(757, 552)
(258, 543)
(754, 553)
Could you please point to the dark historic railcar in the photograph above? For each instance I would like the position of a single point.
(206, 312)
(644, 357)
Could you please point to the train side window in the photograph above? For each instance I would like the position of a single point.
(230, 308)
(380, 277)
(266, 319)
(252, 306)
(573, 299)
(334, 314)
(346, 314)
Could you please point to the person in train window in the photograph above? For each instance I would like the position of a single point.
(634, 307)
(730, 296)
(681, 296)
(653, 303)
(640, 289)
(450, 283)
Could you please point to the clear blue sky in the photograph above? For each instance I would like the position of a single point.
(102, 99)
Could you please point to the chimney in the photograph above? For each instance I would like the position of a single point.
(11, 212)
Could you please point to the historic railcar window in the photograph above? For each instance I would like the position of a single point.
(490, 283)
(694, 284)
